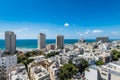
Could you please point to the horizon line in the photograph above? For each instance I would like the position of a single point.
(54, 38)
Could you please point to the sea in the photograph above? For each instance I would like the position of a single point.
(32, 43)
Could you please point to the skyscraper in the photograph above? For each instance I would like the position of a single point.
(10, 41)
(60, 41)
(41, 41)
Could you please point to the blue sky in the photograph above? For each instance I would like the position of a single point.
(73, 18)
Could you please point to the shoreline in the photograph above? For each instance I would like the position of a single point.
(32, 44)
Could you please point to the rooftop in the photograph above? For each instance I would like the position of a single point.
(40, 71)
(19, 72)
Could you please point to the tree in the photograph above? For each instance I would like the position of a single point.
(67, 71)
(115, 55)
(99, 63)
(52, 54)
(82, 65)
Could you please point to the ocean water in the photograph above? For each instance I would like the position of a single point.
(32, 43)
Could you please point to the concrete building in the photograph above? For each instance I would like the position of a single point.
(60, 41)
(102, 39)
(110, 71)
(19, 72)
(10, 41)
(50, 47)
(54, 71)
(6, 62)
(38, 72)
(41, 41)
(91, 73)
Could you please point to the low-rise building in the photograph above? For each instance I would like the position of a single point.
(38, 72)
(19, 72)
(7, 61)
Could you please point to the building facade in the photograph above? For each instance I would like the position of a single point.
(41, 41)
(6, 63)
(60, 41)
(102, 39)
(10, 41)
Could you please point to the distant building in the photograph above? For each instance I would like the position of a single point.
(41, 41)
(102, 39)
(10, 41)
(82, 40)
(60, 41)
(50, 47)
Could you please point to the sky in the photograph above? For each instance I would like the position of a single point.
(72, 18)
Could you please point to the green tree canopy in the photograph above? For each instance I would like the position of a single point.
(115, 55)
(100, 62)
(67, 71)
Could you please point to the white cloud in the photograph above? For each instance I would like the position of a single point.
(66, 24)
(115, 33)
(87, 32)
(97, 31)
(21, 30)
(84, 33)
(1, 33)
(43, 30)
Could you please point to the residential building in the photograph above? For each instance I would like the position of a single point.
(54, 71)
(41, 41)
(10, 41)
(18, 72)
(50, 46)
(60, 41)
(91, 73)
(102, 39)
(38, 72)
(7, 61)
(111, 71)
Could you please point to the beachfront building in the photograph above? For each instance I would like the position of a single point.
(60, 41)
(7, 61)
(10, 41)
(41, 41)
(19, 72)
(102, 39)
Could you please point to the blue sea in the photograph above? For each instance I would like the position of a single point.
(32, 43)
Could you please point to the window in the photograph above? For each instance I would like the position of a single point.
(104, 74)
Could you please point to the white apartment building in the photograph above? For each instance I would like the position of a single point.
(60, 41)
(10, 41)
(18, 72)
(38, 72)
(111, 71)
(54, 71)
(91, 73)
(6, 62)
(41, 41)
